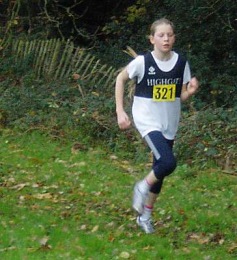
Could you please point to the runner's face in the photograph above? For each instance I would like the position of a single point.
(164, 38)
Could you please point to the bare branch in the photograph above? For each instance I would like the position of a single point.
(50, 19)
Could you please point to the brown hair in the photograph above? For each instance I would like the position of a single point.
(159, 22)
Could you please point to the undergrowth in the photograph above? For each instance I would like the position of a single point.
(69, 109)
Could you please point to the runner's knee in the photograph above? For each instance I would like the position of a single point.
(163, 168)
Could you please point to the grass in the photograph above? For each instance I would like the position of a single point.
(63, 203)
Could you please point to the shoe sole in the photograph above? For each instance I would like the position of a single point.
(141, 226)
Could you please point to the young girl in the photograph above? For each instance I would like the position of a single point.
(163, 80)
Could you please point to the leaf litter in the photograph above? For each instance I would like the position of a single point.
(95, 201)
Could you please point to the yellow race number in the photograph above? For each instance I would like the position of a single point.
(164, 92)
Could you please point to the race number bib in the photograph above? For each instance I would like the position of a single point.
(164, 92)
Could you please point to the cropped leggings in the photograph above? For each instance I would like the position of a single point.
(164, 162)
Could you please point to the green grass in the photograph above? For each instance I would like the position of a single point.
(58, 203)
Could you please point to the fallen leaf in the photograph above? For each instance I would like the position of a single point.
(147, 248)
(233, 248)
(200, 238)
(95, 228)
(113, 157)
(20, 186)
(75, 76)
(124, 255)
(43, 196)
(43, 241)
(111, 238)
(7, 249)
(83, 227)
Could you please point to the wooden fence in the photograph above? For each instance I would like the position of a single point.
(56, 59)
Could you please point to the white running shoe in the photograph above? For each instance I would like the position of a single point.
(147, 225)
(138, 199)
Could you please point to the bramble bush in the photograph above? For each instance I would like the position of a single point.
(208, 135)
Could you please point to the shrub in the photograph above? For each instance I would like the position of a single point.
(208, 135)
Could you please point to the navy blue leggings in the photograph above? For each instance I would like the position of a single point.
(164, 162)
